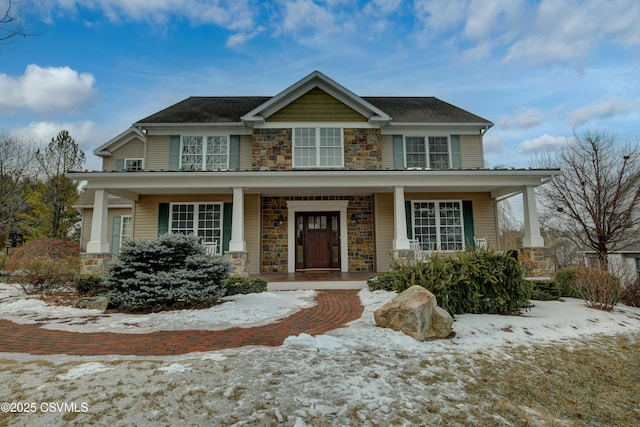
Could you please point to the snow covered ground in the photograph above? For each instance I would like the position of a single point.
(358, 375)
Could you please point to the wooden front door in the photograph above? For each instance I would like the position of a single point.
(317, 240)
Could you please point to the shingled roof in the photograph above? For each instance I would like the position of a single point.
(229, 109)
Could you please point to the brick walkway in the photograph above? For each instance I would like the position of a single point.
(333, 310)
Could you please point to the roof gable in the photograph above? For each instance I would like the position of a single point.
(113, 144)
(316, 106)
(307, 84)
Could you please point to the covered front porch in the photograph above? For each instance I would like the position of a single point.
(304, 191)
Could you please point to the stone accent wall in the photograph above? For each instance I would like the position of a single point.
(362, 149)
(93, 263)
(361, 243)
(272, 149)
(536, 262)
(238, 263)
(360, 238)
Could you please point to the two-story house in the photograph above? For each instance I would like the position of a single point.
(315, 177)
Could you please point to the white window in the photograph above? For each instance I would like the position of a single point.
(133, 165)
(204, 153)
(126, 230)
(438, 225)
(202, 219)
(317, 147)
(431, 152)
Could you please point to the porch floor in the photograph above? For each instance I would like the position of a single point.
(315, 280)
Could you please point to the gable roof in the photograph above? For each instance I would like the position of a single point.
(114, 143)
(255, 109)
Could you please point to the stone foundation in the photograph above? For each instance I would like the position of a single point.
(536, 262)
(93, 263)
(403, 256)
(238, 263)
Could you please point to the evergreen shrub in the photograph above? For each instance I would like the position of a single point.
(545, 290)
(482, 281)
(244, 285)
(90, 285)
(566, 280)
(171, 270)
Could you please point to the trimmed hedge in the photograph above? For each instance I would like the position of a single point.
(481, 281)
(243, 285)
(545, 290)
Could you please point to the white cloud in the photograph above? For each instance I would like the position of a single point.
(543, 143)
(83, 132)
(492, 145)
(241, 38)
(47, 90)
(303, 16)
(602, 109)
(524, 119)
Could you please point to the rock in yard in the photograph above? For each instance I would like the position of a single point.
(415, 313)
(94, 303)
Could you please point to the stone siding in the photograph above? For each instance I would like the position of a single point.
(360, 237)
(362, 149)
(272, 149)
(238, 263)
(94, 263)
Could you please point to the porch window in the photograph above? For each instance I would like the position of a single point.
(202, 219)
(438, 225)
(204, 153)
(131, 165)
(431, 152)
(317, 147)
(125, 229)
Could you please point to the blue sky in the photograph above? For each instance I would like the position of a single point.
(538, 69)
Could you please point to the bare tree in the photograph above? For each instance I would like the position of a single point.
(17, 170)
(510, 229)
(597, 197)
(10, 23)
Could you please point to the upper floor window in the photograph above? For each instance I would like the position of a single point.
(318, 147)
(133, 165)
(432, 152)
(204, 153)
(438, 225)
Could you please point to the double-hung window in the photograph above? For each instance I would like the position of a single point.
(438, 225)
(317, 147)
(204, 153)
(125, 229)
(202, 219)
(427, 152)
(131, 165)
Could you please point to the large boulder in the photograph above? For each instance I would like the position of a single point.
(95, 303)
(415, 313)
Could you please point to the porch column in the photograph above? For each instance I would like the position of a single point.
(99, 244)
(400, 241)
(532, 237)
(237, 243)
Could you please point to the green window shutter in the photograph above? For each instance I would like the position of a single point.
(398, 152)
(163, 218)
(234, 152)
(407, 213)
(227, 219)
(467, 216)
(119, 164)
(115, 234)
(456, 155)
(174, 152)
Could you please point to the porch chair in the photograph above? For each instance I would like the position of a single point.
(211, 248)
(416, 247)
(480, 242)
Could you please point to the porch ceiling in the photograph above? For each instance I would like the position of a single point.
(131, 185)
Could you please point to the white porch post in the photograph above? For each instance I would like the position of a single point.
(98, 244)
(400, 241)
(237, 243)
(532, 237)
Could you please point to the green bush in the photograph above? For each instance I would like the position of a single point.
(545, 290)
(244, 285)
(566, 280)
(171, 270)
(468, 282)
(382, 282)
(90, 285)
(3, 262)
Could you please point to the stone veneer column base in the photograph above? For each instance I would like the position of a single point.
(238, 263)
(403, 256)
(94, 263)
(535, 262)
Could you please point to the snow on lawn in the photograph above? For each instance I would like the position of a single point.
(357, 375)
(238, 310)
